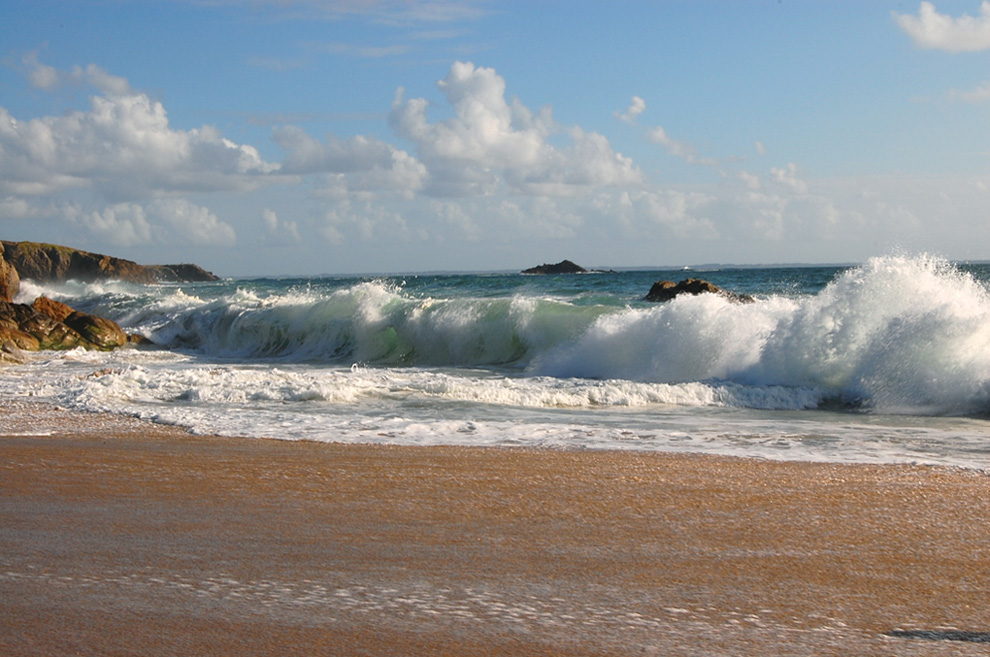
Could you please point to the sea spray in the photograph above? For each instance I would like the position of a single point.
(904, 334)
(882, 362)
(896, 334)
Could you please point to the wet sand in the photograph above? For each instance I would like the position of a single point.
(123, 538)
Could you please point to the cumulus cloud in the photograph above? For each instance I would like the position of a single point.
(751, 180)
(668, 213)
(122, 147)
(191, 224)
(454, 214)
(12, 207)
(636, 107)
(490, 141)
(122, 224)
(369, 163)
(164, 221)
(935, 31)
(48, 78)
(279, 229)
(40, 75)
(366, 221)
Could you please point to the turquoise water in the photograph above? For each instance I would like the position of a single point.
(886, 361)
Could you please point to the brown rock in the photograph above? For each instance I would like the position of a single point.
(104, 334)
(139, 340)
(31, 329)
(184, 273)
(13, 338)
(10, 282)
(54, 309)
(20, 318)
(667, 290)
(50, 262)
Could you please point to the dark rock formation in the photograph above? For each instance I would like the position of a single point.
(49, 324)
(667, 290)
(52, 263)
(10, 282)
(102, 333)
(562, 267)
(32, 330)
(185, 273)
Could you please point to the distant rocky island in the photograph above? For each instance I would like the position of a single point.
(563, 267)
(48, 324)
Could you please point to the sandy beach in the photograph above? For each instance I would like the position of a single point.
(119, 537)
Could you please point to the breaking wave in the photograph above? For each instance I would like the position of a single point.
(897, 334)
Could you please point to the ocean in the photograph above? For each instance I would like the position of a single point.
(884, 362)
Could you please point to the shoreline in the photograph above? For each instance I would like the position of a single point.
(121, 537)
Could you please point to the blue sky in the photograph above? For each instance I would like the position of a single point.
(257, 137)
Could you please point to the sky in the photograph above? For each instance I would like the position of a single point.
(308, 137)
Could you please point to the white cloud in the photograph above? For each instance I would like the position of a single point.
(187, 223)
(788, 177)
(123, 224)
(760, 148)
(682, 149)
(110, 85)
(279, 229)
(677, 214)
(489, 142)
(369, 163)
(12, 207)
(481, 132)
(162, 222)
(751, 180)
(307, 155)
(122, 147)
(40, 75)
(43, 76)
(366, 221)
(636, 107)
(454, 214)
(932, 30)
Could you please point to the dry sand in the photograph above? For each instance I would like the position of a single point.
(122, 538)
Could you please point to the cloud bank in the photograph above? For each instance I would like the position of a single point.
(935, 31)
(478, 171)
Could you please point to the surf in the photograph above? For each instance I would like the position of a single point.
(897, 334)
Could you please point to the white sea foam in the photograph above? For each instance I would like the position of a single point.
(375, 360)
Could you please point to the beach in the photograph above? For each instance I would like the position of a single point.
(119, 537)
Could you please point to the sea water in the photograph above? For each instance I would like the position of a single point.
(888, 361)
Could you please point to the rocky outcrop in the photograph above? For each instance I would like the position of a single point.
(185, 273)
(48, 324)
(667, 290)
(10, 281)
(54, 309)
(52, 263)
(562, 267)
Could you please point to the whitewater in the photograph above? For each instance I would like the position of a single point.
(886, 362)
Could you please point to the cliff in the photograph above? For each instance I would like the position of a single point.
(48, 324)
(53, 263)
